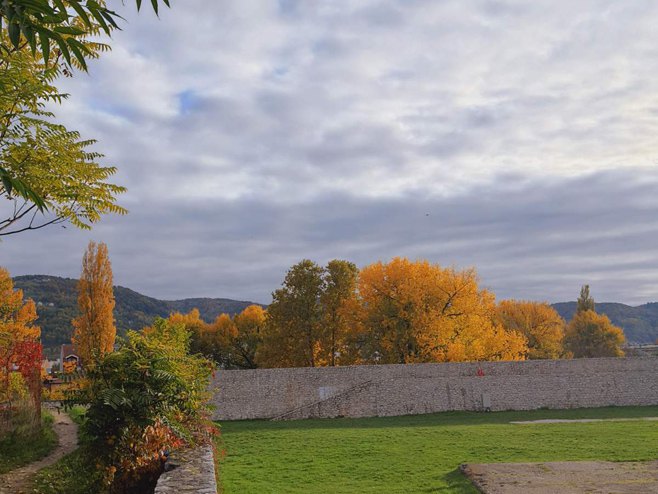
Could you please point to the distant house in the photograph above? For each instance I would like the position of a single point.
(69, 358)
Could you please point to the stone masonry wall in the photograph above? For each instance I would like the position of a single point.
(387, 390)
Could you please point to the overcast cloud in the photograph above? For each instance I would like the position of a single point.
(516, 137)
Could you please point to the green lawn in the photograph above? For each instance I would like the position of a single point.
(417, 454)
(18, 451)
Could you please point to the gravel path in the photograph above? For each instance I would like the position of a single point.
(18, 481)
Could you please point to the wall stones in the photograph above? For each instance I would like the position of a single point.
(386, 390)
(193, 471)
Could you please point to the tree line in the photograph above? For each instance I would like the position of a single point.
(396, 312)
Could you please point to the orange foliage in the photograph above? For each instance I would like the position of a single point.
(95, 331)
(421, 312)
(538, 322)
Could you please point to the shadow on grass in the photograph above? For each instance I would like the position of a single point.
(439, 419)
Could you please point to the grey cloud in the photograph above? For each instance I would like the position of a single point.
(535, 241)
(259, 134)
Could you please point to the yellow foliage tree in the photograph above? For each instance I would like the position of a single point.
(94, 329)
(249, 325)
(593, 335)
(421, 312)
(538, 322)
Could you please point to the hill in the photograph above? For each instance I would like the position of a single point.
(640, 324)
(56, 300)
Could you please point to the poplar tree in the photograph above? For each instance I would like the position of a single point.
(95, 331)
(585, 301)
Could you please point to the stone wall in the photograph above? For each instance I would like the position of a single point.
(387, 390)
(191, 471)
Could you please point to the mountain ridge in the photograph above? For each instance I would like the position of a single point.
(56, 299)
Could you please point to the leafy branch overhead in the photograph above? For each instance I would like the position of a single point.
(44, 167)
(48, 24)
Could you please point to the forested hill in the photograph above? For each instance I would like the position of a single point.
(56, 300)
(640, 324)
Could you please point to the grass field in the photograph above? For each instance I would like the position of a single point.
(18, 451)
(417, 454)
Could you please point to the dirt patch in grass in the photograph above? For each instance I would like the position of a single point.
(574, 477)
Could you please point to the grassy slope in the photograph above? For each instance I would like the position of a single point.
(15, 453)
(417, 454)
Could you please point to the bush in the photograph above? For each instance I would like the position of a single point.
(144, 400)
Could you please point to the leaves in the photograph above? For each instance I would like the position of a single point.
(44, 23)
(147, 398)
(539, 323)
(46, 168)
(94, 329)
(590, 334)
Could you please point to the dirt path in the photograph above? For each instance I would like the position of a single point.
(18, 481)
(577, 477)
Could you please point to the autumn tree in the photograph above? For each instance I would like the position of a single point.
(249, 325)
(194, 325)
(20, 349)
(585, 301)
(94, 329)
(293, 325)
(421, 312)
(538, 322)
(593, 335)
(336, 304)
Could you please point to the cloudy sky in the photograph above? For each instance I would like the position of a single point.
(517, 137)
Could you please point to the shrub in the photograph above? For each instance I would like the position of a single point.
(145, 399)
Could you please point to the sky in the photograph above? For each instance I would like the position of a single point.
(515, 137)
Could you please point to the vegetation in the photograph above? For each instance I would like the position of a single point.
(19, 450)
(145, 399)
(294, 336)
(593, 335)
(73, 474)
(539, 323)
(421, 312)
(132, 311)
(45, 167)
(417, 453)
(94, 328)
(20, 363)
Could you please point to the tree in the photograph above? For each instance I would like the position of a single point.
(43, 25)
(194, 325)
(20, 349)
(593, 335)
(48, 172)
(585, 301)
(538, 322)
(336, 300)
(293, 325)
(44, 167)
(249, 325)
(420, 312)
(95, 331)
